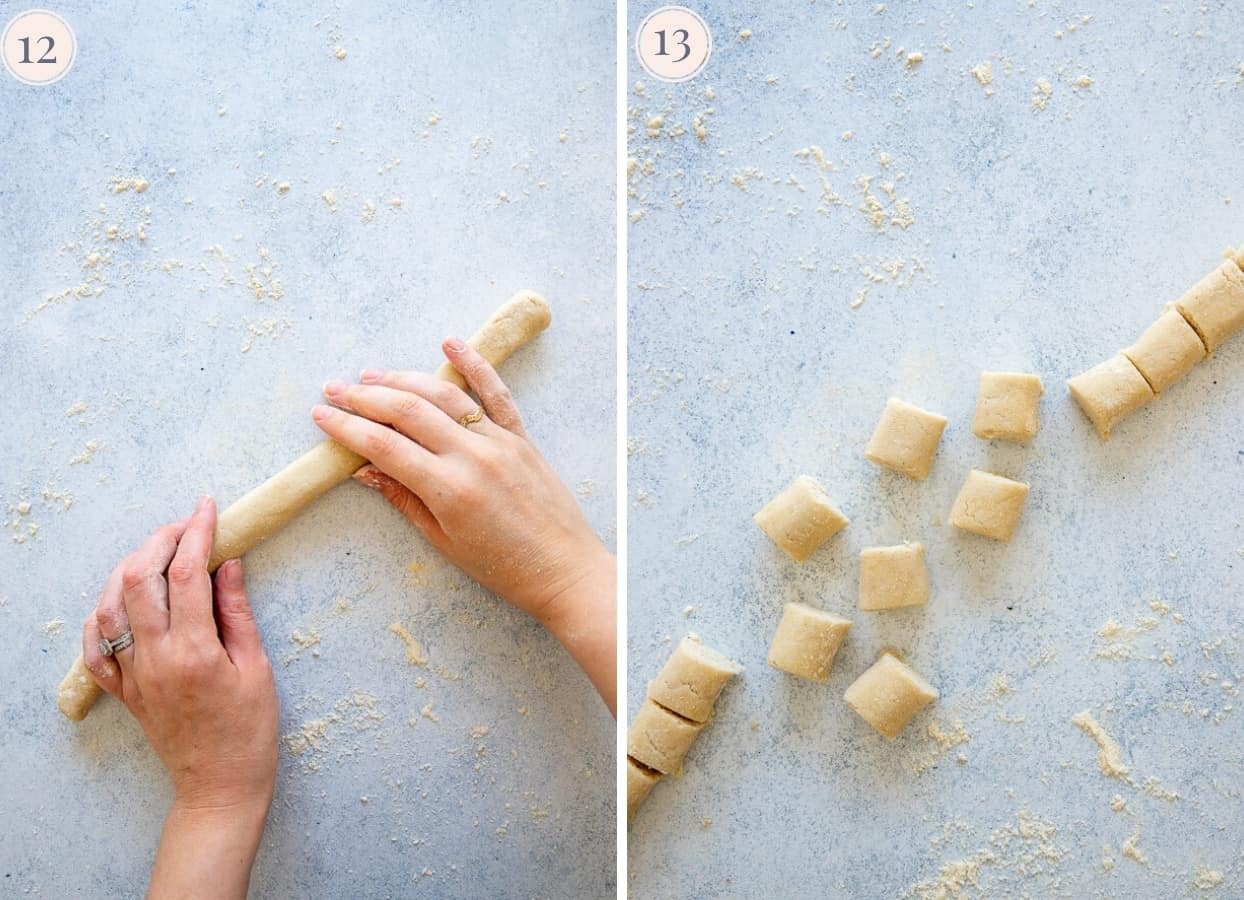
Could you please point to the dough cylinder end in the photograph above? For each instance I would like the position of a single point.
(77, 692)
(519, 320)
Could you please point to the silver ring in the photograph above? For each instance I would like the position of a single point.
(110, 648)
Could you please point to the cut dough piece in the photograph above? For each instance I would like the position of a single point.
(989, 505)
(889, 695)
(640, 780)
(690, 681)
(906, 439)
(1109, 392)
(1167, 351)
(806, 641)
(1214, 306)
(1006, 407)
(893, 577)
(660, 739)
(801, 518)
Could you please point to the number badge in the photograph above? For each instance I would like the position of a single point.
(673, 44)
(38, 47)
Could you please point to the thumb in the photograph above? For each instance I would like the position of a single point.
(403, 500)
(238, 631)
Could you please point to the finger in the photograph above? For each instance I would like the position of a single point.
(105, 671)
(404, 501)
(394, 453)
(189, 584)
(414, 416)
(448, 396)
(238, 631)
(143, 588)
(111, 622)
(486, 383)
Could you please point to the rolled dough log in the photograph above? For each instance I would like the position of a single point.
(522, 317)
(268, 508)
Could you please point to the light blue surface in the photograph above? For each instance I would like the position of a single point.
(238, 99)
(1048, 240)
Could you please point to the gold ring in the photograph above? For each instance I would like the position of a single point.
(472, 417)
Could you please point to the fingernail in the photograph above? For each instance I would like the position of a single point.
(368, 375)
(232, 572)
(455, 345)
(203, 502)
(334, 387)
(321, 413)
(367, 477)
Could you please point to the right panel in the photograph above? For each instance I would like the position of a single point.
(986, 649)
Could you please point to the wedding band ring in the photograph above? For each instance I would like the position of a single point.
(472, 417)
(111, 648)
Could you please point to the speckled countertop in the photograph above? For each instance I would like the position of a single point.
(187, 351)
(1033, 216)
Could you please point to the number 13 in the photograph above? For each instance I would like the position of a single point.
(679, 41)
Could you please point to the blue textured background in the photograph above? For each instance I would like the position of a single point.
(238, 98)
(1042, 240)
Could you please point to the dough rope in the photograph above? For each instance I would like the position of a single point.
(265, 510)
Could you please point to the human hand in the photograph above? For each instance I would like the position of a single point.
(199, 682)
(483, 496)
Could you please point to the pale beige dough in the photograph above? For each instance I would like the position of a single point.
(640, 780)
(1109, 392)
(806, 641)
(266, 509)
(522, 317)
(1006, 406)
(989, 505)
(691, 680)
(1166, 351)
(893, 577)
(906, 439)
(1214, 306)
(801, 518)
(660, 739)
(889, 694)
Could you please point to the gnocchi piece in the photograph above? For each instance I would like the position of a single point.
(1214, 306)
(1109, 392)
(1006, 406)
(659, 738)
(893, 577)
(690, 681)
(801, 518)
(806, 641)
(640, 780)
(989, 505)
(906, 439)
(1167, 351)
(889, 694)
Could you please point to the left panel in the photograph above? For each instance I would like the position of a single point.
(214, 212)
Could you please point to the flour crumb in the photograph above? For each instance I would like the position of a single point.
(914, 59)
(76, 410)
(428, 714)
(1207, 879)
(414, 650)
(87, 454)
(282, 187)
(1132, 851)
(745, 34)
(1041, 93)
(1117, 803)
(340, 53)
(1109, 754)
(1084, 82)
(54, 627)
(983, 73)
(330, 197)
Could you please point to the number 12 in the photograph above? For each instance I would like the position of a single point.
(25, 42)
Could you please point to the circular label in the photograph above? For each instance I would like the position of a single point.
(673, 43)
(38, 47)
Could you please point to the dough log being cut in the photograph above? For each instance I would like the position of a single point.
(265, 510)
